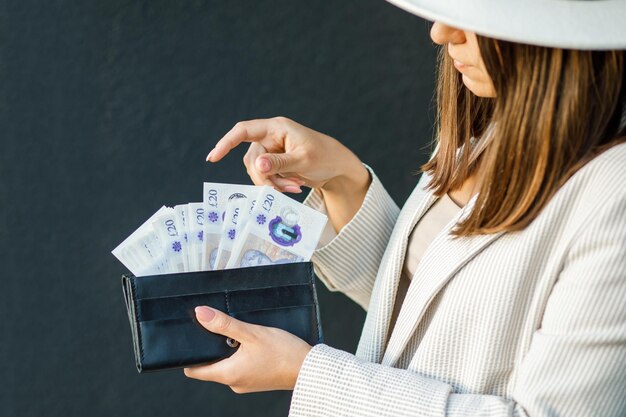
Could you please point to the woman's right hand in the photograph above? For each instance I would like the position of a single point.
(286, 155)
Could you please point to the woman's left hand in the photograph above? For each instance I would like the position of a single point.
(267, 358)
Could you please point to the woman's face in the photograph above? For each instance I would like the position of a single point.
(463, 48)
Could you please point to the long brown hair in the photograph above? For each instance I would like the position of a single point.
(555, 110)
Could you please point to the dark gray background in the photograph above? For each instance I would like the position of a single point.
(107, 110)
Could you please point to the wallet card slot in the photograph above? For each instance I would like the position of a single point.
(270, 297)
(214, 292)
(300, 321)
(166, 308)
(149, 309)
(286, 308)
(204, 282)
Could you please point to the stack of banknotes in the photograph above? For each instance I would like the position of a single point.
(235, 226)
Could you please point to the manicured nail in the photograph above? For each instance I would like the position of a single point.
(208, 157)
(264, 165)
(293, 189)
(205, 313)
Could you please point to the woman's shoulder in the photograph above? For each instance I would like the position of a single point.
(599, 186)
(603, 175)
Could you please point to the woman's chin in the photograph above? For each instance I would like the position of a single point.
(480, 89)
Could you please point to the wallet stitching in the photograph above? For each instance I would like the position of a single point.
(132, 282)
(227, 302)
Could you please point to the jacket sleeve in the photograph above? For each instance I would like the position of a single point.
(575, 365)
(350, 261)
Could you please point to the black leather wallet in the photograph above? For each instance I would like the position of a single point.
(163, 322)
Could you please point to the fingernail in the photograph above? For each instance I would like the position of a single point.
(205, 313)
(264, 165)
(293, 189)
(208, 157)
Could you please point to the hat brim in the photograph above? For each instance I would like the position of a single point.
(568, 24)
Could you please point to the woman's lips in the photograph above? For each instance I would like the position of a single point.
(459, 65)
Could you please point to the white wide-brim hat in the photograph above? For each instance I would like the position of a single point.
(568, 24)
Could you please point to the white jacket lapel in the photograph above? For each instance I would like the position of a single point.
(380, 309)
(443, 258)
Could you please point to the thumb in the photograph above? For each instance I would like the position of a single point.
(217, 322)
(275, 163)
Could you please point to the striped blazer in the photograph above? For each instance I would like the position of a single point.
(527, 323)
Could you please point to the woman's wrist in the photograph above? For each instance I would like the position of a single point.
(344, 194)
(296, 367)
(353, 180)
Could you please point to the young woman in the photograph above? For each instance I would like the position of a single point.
(499, 289)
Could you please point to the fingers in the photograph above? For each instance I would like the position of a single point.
(266, 159)
(290, 185)
(270, 165)
(287, 183)
(277, 163)
(247, 131)
(260, 179)
(217, 322)
(220, 371)
(255, 150)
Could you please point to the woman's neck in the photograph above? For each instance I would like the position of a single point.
(466, 191)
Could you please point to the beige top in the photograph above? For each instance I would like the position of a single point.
(425, 231)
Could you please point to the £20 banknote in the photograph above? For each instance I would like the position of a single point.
(235, 226)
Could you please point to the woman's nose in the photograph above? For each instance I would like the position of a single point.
(441, 34)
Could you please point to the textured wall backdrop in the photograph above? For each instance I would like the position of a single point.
(107, 110)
